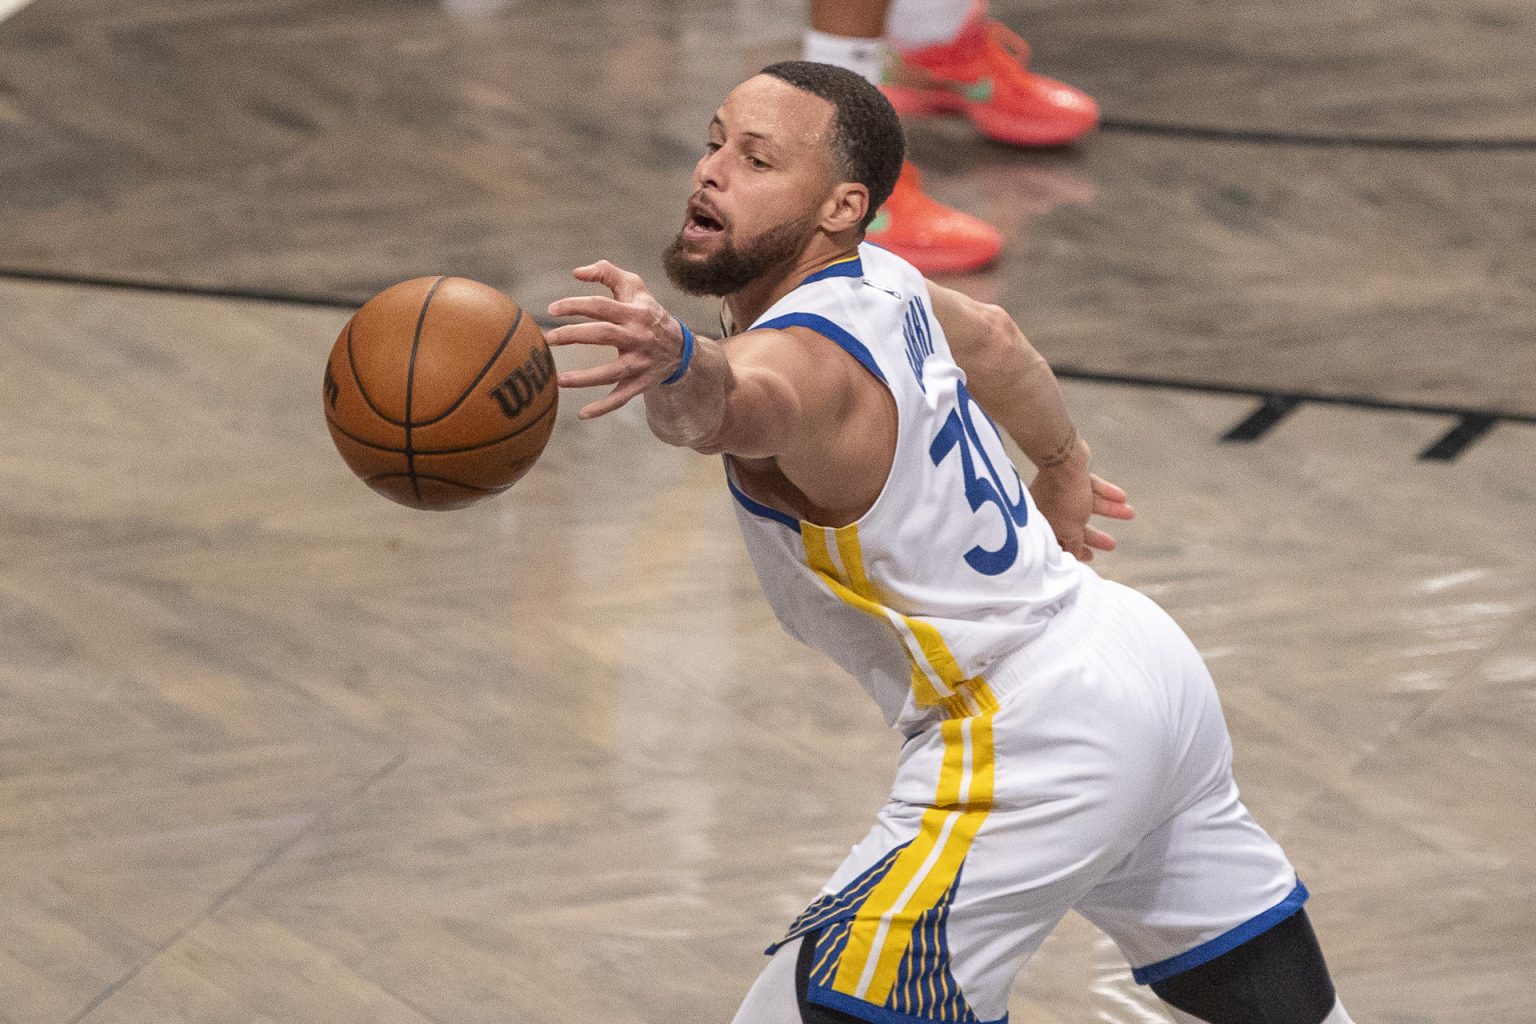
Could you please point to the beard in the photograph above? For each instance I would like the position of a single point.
(733, 267)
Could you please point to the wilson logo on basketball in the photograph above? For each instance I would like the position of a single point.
(517, 392)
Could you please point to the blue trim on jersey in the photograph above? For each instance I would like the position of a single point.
(844, 268)
(858, 1008)
(1224, 943)
(757, 508)
(829, 330)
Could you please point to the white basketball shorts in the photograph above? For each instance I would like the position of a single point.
(1094, 773)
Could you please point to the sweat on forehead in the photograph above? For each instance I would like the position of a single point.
(776, 111)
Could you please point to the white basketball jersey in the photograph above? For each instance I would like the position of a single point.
(953, 567)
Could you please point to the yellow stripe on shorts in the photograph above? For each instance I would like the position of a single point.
(926, 869)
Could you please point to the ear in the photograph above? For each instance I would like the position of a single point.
(844, 208)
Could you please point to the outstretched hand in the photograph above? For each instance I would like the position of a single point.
(648, 339)
(1068, 499)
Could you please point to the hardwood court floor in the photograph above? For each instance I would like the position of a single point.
(275, 750)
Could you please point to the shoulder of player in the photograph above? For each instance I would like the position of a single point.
(812, 364)
(790, 343)
(824, 351)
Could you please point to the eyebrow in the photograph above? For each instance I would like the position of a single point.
(715, 122)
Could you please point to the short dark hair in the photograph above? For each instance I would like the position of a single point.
(867, 141)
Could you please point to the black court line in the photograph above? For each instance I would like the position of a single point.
(1271, 411)
(1274, 137)
(1312, 397)
(1275, 404)
(330, 300)
(1274, 408)
(1458, 439)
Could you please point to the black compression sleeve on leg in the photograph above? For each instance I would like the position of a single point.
(810, 1013)
(1277, 977)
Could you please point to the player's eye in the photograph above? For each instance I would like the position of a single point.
(757, 163)
(711, 147)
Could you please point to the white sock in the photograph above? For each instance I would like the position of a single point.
(864, 57)
(913, 24)
(772, 998)
(1338, 1015)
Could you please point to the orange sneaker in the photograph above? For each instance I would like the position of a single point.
(983, 74)
(934, 238)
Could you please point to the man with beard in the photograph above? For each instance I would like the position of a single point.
(1064, 746)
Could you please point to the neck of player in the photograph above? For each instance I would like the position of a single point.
(758, 297)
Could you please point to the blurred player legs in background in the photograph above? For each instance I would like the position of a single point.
(945, 56)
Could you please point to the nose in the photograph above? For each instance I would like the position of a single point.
(706, 173)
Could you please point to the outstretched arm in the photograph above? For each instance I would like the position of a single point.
(1016, 387)
(749, 398)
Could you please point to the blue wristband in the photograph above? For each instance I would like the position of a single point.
(682, 367)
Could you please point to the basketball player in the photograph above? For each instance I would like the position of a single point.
(945, 57)
(1064, 747)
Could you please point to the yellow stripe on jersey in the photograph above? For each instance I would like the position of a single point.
(926, 869)
(935, 650)
(936, 676)
(818, 555)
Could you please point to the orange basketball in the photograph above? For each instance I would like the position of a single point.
(440, 391)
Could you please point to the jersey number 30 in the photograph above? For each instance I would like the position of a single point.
(959, 431)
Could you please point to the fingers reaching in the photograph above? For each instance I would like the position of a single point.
(593, 307)
(1105, 489)
(1109, 499)
(620, 282)
(591, 332)
(1113, 509)
(647, 338)
(1098, 539)
(616, 398)
(595, 376)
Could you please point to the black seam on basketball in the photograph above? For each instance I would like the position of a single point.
(433, 479)
(516, 322)
(410, 382)
(549, 407)
(352, 363)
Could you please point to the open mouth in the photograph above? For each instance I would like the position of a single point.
(700, 224)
